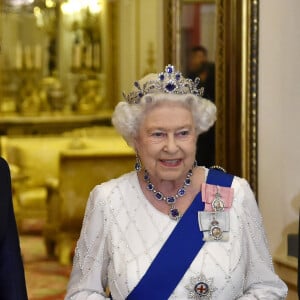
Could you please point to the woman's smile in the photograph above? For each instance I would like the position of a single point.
(171, 162)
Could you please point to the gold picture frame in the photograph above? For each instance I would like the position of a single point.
(236, 79)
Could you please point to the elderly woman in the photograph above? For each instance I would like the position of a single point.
(171, 229)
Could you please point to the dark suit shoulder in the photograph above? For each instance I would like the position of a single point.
(4, 173)
(12, 279)
(4, 168)
(5, 195)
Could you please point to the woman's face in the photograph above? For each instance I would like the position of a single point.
(166, 142)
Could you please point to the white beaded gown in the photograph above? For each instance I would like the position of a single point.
(122, 233)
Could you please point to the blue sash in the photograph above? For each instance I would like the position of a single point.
(179, 250)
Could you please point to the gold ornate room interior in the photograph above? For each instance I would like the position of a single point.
(63, 67)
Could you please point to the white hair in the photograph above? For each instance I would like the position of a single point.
(127, 117)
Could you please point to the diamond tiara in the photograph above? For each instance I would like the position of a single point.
(170, 82)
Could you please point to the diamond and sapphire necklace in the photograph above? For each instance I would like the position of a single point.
(170, 200)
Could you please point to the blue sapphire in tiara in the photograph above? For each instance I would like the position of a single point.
(170, 86)
(161, 77)
(169, 69)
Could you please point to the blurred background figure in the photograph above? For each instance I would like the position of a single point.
(200, 66)
(198, 56)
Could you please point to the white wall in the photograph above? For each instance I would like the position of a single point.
(141, 31)
(279, 118)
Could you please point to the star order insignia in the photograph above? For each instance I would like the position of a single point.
(200, 287)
